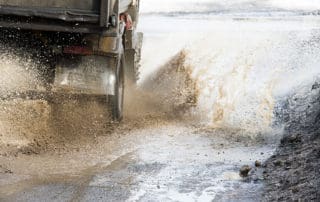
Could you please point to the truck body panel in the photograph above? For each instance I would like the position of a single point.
(92, 5)
(86, 16)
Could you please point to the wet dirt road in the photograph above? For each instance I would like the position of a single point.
(165, 162)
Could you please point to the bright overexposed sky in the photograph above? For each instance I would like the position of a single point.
(296, 4)
(206, 5)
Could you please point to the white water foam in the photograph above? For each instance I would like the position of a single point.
(241, 66)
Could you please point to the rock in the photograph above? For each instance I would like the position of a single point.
(295, 190)
(258, 164)
(244, 171)
(278, 163)
(293, 139)
(315, 86)
(5, 170)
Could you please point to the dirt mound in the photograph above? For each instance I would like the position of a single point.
(292, 173)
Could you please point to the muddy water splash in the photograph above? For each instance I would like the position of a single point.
(172, 85)
(231, 95)
(240, 67)
(20, 121)
(33, 126)
(17, 74)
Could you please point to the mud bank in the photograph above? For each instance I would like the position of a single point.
(293, 172)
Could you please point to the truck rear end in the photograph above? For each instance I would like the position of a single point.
(92, 45)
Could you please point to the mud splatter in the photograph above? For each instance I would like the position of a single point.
(17, 74)
(173, 86)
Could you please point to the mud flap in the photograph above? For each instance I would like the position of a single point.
(133, 55)
(85, 75)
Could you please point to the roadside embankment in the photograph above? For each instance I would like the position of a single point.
(293, 172)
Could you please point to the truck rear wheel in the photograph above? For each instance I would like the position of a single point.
(115, 101)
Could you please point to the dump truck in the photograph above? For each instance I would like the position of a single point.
(93, 44)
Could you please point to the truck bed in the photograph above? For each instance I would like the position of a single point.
(67, 4)
(58, 15)
(68, 15)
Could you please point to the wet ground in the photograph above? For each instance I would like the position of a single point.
(169, 161)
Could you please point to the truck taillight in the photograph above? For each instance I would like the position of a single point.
(126, 18)
(78, 50)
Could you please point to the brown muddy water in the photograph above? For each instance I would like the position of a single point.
(204, 108)
(71, 152)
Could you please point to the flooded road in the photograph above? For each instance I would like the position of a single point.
(211, 84)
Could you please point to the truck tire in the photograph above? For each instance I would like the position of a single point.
(133, 58)
(115, 102)
(132, 68)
